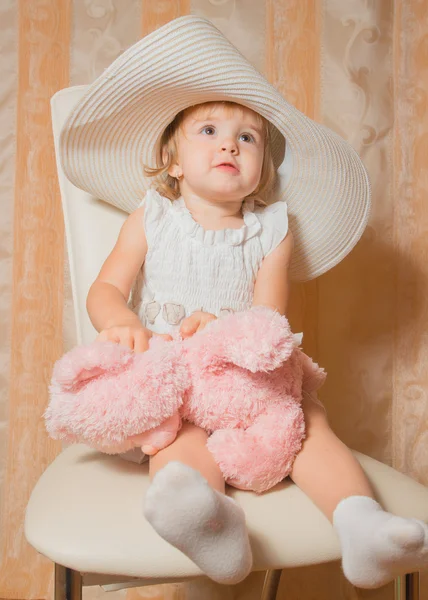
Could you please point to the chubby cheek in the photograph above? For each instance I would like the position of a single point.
(254, 174)
(196, 164)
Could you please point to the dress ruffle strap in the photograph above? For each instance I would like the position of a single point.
(155, 208)
(271, 222)
(274, 220)
(209, 237)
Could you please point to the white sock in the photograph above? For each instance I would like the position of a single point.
(377, 546)
(203, 523)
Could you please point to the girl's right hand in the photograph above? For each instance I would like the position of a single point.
(136, 337)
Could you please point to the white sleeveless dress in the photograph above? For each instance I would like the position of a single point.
(188, 268)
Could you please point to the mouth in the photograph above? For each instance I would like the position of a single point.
(228, 167)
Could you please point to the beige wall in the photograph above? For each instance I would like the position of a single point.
(359, 67)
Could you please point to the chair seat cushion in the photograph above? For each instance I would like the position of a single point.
(86, 513)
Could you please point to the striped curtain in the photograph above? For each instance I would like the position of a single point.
(360, 67)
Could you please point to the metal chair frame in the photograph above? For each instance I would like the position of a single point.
(69, 585)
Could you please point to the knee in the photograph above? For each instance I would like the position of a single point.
(190, 441)
(189, 431)
(314, 413)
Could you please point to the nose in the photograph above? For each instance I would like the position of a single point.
(229, 145)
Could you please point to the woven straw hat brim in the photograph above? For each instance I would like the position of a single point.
(114, 130)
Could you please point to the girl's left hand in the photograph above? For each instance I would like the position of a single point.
(196, 322)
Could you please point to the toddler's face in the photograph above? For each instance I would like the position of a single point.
(210, 139)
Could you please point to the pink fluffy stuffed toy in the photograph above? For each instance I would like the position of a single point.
(240, 379)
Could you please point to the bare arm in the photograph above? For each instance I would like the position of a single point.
(272, 283)
(108, 295)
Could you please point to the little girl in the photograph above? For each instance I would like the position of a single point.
(206, 240)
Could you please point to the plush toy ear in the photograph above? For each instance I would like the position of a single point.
(85, 362)
(258, 339)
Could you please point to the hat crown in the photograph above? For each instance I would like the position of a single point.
(116, 127)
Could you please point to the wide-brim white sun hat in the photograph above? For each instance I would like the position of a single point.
(116, 127)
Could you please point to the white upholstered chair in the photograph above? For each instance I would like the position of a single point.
(85, 513)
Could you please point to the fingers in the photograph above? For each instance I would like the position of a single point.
(190, 325)
(208, 317)
(102, 336)
(107, 336)
(127, 338)
(165, 336)
(141, 340)
(142, 343)
(135, 338)
(196, 322)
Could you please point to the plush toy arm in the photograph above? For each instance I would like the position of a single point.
(258, 339)
(260, 456)
(108, 410)
(87, 361)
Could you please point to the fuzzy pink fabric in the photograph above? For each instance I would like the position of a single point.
(240, 379)
(103, 394)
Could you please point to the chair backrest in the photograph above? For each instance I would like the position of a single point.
(91, 225)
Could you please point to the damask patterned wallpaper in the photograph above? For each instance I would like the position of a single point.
(358, 66)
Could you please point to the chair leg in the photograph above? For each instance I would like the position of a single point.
(271, 584)
(407, 587)
(68, 584)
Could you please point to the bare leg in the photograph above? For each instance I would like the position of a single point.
(190, 448)
(187, 506)
(325, 469)
(377, 546)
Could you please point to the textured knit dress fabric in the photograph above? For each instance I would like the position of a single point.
(188, 268)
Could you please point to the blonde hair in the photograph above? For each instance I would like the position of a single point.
(169, 186)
